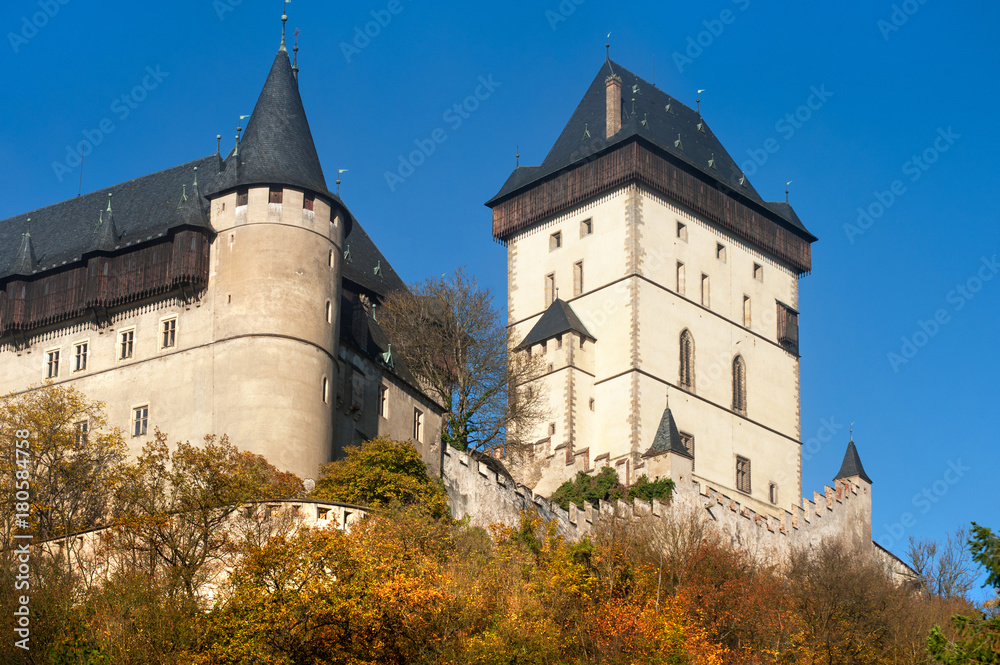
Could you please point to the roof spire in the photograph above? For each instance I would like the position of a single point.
(852, 467)
(24, 262)
(607, 47)
(517, 157)
(697, 101)
(284, 20)
(786, 190)
(339, 171)
(106, 231)
(295, 59)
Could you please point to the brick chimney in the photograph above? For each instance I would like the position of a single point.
(614, 97)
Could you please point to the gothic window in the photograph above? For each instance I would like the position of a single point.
(743, 474)
(687, 360)
(739, 385)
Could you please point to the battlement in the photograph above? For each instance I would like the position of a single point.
(486, 497)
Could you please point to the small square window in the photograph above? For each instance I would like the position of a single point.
(140, 420)
(558, 341)
(168, 337)
(720, 252)
(275, 195)
(552, 429)
(758, 272)
(682, 231)
(555, 241)
(309, 202)
(52, 364)
(80, 353)
(242, 196)
(586, 227)
(126, 344)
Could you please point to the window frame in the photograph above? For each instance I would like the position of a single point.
(120, 346)
(744, 477)
(555, 241)
(77, 365)
(172, 332)
(418, 425)
(53, 356)
(138, 418)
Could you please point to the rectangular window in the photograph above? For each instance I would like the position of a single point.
(550, 288)
(52, 364)
(680, 278)
(746, 311)
(743, 474)
(552, 429)
(758, 272)
(578, 278)
(772, 493)
(309, 202)
(682, 231)
(242, 196)
(82, 430)
(687, 440)
(169, 336)
(705, 295)
(418, 425)
(558, 341)
(555, 241)
(140, 420)
(275, 195)
(80, 350)
(126, 343)
(586, 227)
(720, 252)
(383, 401)
(788, 327)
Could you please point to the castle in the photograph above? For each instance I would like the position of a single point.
(232, 295)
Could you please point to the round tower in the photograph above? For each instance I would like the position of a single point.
(275, 285)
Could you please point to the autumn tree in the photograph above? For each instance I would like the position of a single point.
(452, 338)
(379, 473)
(175, 508)
(73, 459)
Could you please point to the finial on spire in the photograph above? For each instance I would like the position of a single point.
(239, 130)
(196, 176)
(786, 190)
(295, 57)
(284, 20)
(697, 101)
(110, 194)
(607, 47)
(339, 171)
(218, 144)
(852, 431)
(517, 157)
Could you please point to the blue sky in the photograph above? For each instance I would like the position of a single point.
(906, 133)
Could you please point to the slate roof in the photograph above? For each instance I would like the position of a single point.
(852, 465)
(559, 318)
(667, 438)
(666, 120)
(361, 260)
(277, 146)
(143, 209)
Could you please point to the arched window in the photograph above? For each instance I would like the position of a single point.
(687, 360)
(739, 385)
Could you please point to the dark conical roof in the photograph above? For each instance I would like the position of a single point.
(106, 235)
(559, 318)
(24, 261)
(191, 212)
(277, 147)
(852, 465)
(667, 438)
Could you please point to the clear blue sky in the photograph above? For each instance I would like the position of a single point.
(924, 86)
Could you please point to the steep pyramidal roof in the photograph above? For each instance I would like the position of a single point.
(559, 318)
(650, 115)
(277, 147)
(667, 438)
(24, 261)
(106, 235)
(852, 465)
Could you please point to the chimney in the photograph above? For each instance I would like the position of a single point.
(614, 97)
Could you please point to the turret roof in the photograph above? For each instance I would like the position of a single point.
(852, 465)
(277, 147)
(559, 318)
(667, 438)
